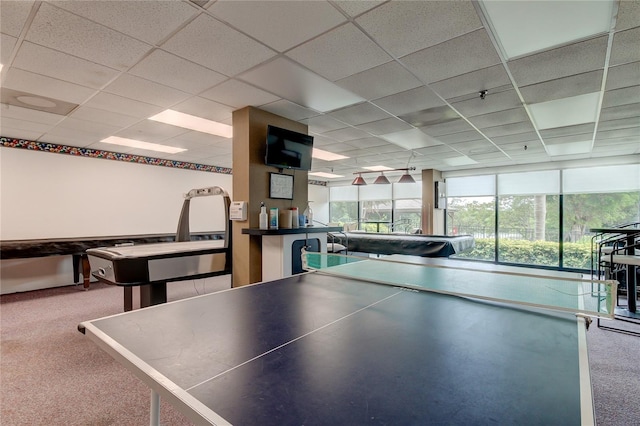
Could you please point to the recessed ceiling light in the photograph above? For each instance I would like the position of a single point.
(378, 168)
(325, 175)
(517, 24)
(411, 139)
(326, 155)
(36, 101)
(192, 122)
(459, 161)
(569, 148)
(132, 143)
(566, 111)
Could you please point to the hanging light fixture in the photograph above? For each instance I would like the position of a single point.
(359, 180)
(381, 180)
(406, 177)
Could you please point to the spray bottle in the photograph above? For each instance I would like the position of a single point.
(264, 220)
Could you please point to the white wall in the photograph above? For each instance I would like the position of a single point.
(46, 195)
(320, 205)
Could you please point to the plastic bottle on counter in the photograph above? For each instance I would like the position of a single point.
(273, 218)
(308, 214)
(264, 218)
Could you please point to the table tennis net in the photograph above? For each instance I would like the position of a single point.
(581, 296)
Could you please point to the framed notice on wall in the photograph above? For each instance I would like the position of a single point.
(281, 186)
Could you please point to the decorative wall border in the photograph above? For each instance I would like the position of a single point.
(317, 182)
(108, 155)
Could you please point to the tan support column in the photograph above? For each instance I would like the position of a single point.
(251, 184)
(432, 218)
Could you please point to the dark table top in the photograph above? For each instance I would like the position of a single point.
(314, 349)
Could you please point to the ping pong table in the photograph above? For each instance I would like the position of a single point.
(331, 347)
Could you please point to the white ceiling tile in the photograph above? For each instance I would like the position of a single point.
(194, 139)
(491, 103)
(628, 15)
(204, 108)
(227, 50)
(289, 22)
(388, 125)
(60, 30)
(102, 116)
(238, 94)
(173, 71)
(561, 62)
(29, 82)
(20, 133)
(289, 110)
(73, 137)
(563, 87)
(290, 81)
(149, 21)
(99, 130)
(472, 82)
(380, 81)
(412, 100)
(14, 15)
(427, 23)
(130, 86)
(323, 123)
(20, 113)
(458, 56)
(411, 139)
(350, 50)
(625, 47)
(517, 24)
(120, 105)
(346, 134)
(52, 63)
(355, 8)
(151, 131)
(7, 43)
(17, 124)
(359, 114)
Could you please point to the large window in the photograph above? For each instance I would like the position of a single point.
(407, 207)
(471, 210)
(542, 218)
(377, 208)
(343, 205)
(528, 227)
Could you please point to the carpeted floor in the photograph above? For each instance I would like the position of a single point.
(50, 374)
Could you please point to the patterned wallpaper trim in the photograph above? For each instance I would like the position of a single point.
(107, 155)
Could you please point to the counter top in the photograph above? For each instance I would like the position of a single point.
(286, 231)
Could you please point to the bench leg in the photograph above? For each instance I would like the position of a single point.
(86, 271)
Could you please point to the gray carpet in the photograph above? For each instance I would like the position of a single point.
(50, 374)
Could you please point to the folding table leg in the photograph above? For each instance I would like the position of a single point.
(155, 409)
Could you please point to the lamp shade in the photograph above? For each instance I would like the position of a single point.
(406, 178)
(381, 180)
(359, 181)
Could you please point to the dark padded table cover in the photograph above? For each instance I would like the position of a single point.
(18, 249)
(412, 244)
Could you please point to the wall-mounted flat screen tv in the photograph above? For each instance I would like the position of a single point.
(287, 149)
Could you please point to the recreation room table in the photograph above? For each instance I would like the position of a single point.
(324, 348)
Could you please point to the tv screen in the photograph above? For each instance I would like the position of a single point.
(287, 149)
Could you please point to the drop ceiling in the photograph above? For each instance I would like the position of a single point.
(448, 84)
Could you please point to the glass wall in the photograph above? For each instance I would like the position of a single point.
(471, 210)
(528, 212)
(343, 205)
(542, 218)
(377, 208)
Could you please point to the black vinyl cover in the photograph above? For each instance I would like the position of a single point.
(416, 245)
